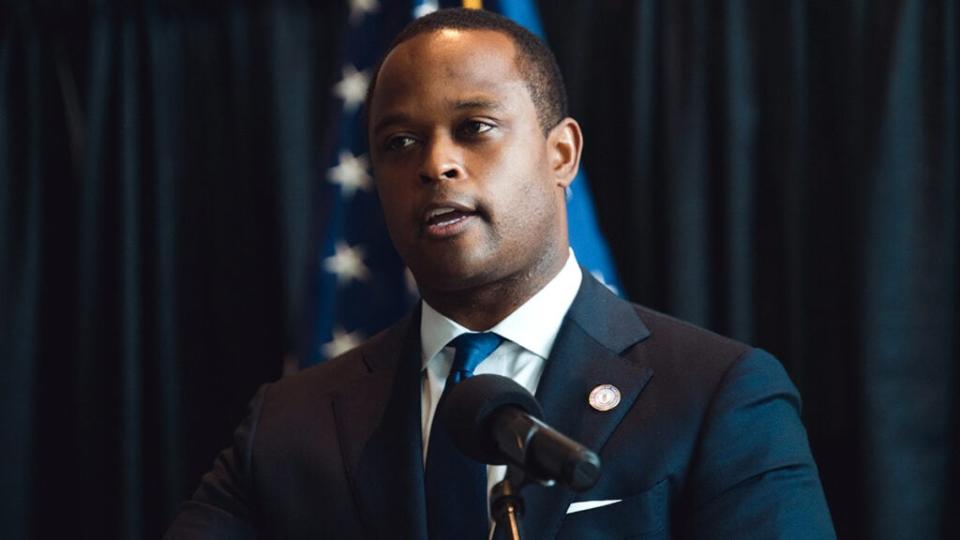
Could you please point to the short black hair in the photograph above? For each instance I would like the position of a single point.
(535, 62)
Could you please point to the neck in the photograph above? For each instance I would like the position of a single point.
(481, 307)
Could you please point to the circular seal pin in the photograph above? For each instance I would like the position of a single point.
(604, 397)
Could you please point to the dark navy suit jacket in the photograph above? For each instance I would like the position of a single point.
(706, 442)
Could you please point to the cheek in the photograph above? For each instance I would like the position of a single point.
(530, 186)
(394, 207)
(527, 213)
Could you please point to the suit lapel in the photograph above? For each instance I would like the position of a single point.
(378, 424)
(378, 416)
(587, 353)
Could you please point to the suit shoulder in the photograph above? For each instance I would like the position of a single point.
(661, 323)
(681, 345)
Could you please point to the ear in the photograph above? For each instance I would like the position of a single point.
(564, 144)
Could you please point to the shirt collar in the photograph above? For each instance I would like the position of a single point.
(534, 325)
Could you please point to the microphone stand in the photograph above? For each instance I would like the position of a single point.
(506, 504)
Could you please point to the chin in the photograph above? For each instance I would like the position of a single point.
(453, 273)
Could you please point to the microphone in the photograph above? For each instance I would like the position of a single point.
(494, 420)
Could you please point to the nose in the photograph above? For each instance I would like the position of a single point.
(443, 160)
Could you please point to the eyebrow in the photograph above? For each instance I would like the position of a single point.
(478, 103)
(398, 118)
(466, 104)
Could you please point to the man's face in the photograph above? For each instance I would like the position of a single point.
(465, 174)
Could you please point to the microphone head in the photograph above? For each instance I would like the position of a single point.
(467, 412)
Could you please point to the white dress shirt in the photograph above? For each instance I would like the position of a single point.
(528, 332)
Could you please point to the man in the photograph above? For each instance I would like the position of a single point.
(472, 149)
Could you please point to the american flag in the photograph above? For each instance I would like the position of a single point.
(361, 285)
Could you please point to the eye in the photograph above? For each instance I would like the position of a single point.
(399, 142)
(472, 128)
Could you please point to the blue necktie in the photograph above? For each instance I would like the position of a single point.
(456, 485)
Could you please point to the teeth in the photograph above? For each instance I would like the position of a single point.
(439, 212)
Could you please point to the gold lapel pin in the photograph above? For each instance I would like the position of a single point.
(604, 397)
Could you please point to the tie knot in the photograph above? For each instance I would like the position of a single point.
(471, 349)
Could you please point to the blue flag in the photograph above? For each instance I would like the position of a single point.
(361, 285)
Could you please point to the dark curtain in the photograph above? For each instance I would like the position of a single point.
(786, 173)
(783, 172)
(158, 161)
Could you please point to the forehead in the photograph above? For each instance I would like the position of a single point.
(447, 66)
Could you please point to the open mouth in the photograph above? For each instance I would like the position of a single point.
(446, 216)
(446, 220)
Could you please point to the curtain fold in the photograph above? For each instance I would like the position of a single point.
(910, 271)
(21, 249)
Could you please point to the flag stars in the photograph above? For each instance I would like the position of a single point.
(351, 174)
(352, 88)
(347, 264)
(342, 342)
(360, 8)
